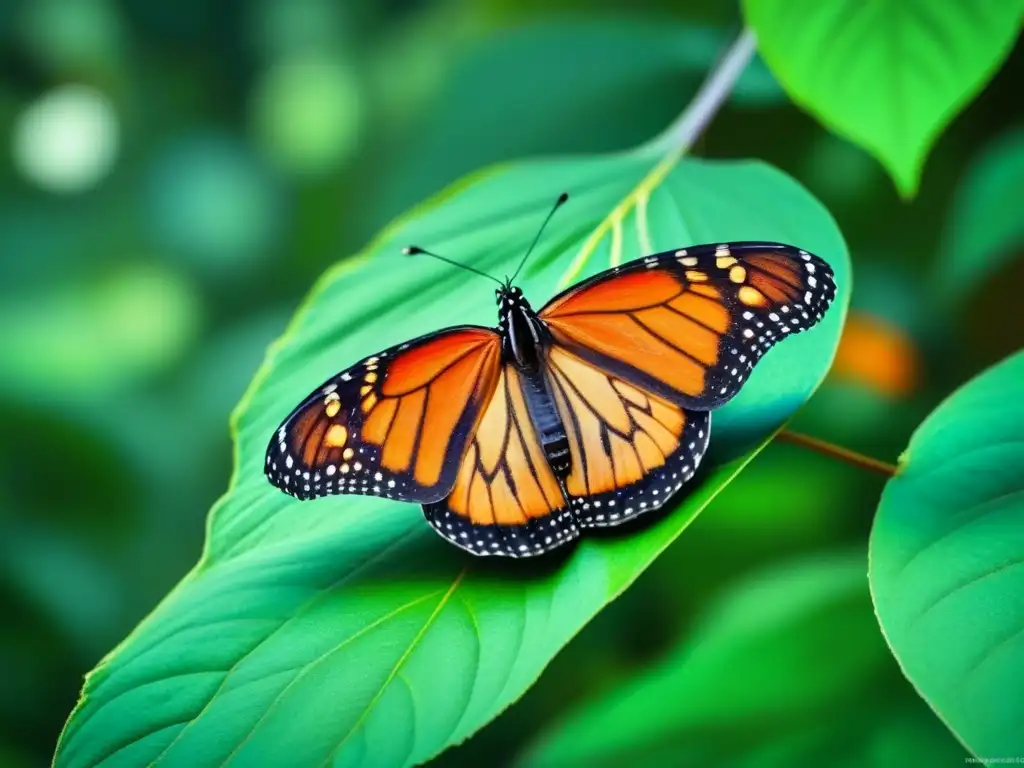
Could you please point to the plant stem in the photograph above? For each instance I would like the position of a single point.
(837, 452)
(687, 128)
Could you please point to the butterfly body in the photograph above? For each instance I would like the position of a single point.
(524, 338)
(588, 413)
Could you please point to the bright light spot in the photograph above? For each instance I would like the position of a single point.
(307, 114)
(66, 141)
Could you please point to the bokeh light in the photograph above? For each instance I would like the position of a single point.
(69, 35)
(67, 140)
(211, 202)
(307, 114)
(877, 355)
(285, 27)
(80, 341)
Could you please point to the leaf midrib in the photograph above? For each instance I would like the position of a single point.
(398, 665)
(302, 610)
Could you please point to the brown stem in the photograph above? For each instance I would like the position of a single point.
(837, 452)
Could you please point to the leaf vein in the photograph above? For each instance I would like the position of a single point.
(306, 668)
(399, 664)
(302, 610)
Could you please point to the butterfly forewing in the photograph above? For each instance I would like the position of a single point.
(689, 325)
(391, 424)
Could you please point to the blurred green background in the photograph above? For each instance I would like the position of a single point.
(176, 176)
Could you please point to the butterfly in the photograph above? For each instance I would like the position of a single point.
(585, 414)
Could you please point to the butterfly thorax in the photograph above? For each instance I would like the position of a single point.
(523, 333)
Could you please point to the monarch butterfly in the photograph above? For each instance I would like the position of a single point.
(585, 414)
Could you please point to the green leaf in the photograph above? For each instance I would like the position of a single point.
(888, 75)
(986, 229)
(345, 630)
(780, 672)
(946, 556)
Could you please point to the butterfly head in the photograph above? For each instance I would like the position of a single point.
(512, 303)
(509, 296)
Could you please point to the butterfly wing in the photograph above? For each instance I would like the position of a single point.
(394, 424)
(689, 325)
(631, 449)
(506, 500)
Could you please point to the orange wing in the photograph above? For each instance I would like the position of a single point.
(395, 424)
(631, 449)
(689, 325)
(506, 500)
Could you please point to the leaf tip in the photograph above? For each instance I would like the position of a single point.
(904, 169)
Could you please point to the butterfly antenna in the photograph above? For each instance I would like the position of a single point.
(561, 199)
(415, 250)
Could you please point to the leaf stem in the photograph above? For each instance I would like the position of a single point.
(838, 452)
(713, 92)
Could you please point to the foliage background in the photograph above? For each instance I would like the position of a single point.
(228, 153)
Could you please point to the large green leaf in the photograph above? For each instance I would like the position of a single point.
(945, 561)
(986, 229)
(345, 630)
(888, 75)
(779, 672)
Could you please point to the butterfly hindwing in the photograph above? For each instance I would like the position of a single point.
(689, 325)
(506, 499)
(631, 449)
(394, 424)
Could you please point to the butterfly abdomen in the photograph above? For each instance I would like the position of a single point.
(548, 425)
